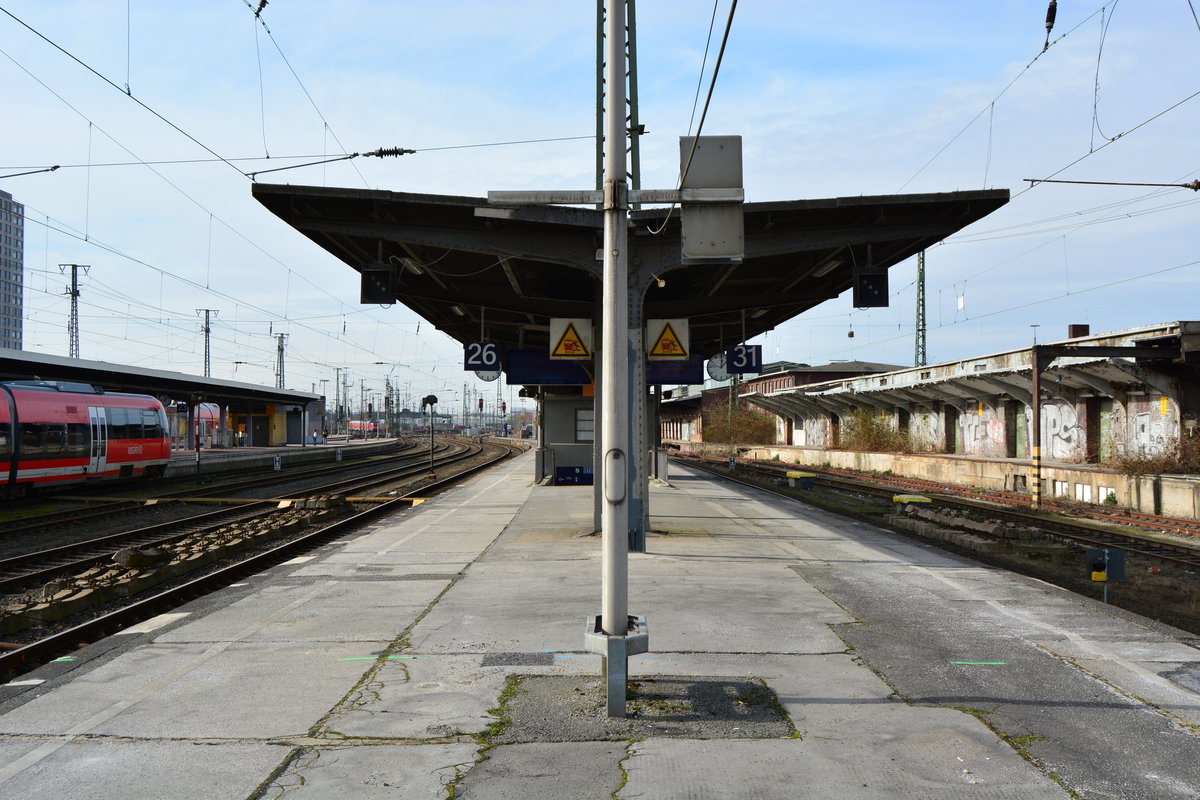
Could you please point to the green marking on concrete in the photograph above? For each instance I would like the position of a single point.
(64, 658)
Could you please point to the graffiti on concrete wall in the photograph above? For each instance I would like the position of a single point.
(983, 434)
(816, 431)
(925, 430)
(1062, 434)
(1153, 431)
(1142, 428)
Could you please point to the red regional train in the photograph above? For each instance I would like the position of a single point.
(55, 433)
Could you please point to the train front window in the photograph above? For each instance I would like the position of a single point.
(118, 423)
(152, 424)
(133, 423)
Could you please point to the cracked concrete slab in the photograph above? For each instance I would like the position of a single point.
(140, 770)
(911, 766)
(196, 690)
(376, 770)
(422, 698)
(546, 771)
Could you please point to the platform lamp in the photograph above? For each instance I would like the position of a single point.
(430, 400)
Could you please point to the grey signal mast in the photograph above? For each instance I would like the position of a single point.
(207, 331)
(73, 321)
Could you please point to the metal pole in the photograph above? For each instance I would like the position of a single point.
(614, 349)
(1035, 434)
(920, 355)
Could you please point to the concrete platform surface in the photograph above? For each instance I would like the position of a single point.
(375, 666)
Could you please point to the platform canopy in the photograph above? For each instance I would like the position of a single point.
(18, 365)
(468, 267)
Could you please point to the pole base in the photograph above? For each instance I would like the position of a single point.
(616, 651)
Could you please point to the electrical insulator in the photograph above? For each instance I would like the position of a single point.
(391, 151)
(1050, 13)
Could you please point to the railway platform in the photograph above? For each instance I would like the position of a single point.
(376, 667)
(211, 460)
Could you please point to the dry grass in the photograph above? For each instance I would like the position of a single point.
(864, 430)
(1177, 457)
(744, 427)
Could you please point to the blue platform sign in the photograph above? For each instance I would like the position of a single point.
(573, 476)
(743, 359)
(481, 357)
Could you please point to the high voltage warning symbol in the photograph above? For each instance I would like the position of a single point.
(570, 345)
(668, 344)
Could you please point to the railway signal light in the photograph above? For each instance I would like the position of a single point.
(503, 407)
(1105, 564)
(377, 284)
(870, 284)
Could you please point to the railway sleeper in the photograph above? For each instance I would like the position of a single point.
(137, 571)
(958, 520)
(940, 533)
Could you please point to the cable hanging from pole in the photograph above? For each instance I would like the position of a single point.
(703, 113)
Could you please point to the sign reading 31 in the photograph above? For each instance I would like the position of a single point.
(742, 359)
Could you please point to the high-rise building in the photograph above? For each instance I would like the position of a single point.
(12, 271)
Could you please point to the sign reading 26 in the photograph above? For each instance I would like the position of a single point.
(481, 357)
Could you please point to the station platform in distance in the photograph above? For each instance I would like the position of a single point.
(374, 666)
(224, 459)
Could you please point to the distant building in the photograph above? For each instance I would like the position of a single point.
(12, 272)
(1093, 404)
(682, 409)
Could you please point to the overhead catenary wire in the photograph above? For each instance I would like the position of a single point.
(703, 114)
(703, 65)
(1194, 185)
(187, 281)
(85, 236)
(328, 156)
(259, 20)
(1104, 23)
(992, 102)
(1030, 304)
(1111, 141)
(107, 80)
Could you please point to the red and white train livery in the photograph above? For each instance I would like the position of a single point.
(55, 433)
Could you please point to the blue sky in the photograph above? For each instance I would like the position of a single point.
(831, 99)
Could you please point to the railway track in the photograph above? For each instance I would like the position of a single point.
(1117, 516)
(21, 571)
(1172, 550)
(102, 508)
(21, 658)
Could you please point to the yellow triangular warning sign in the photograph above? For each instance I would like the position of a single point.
(570, 345)
(668, 345)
